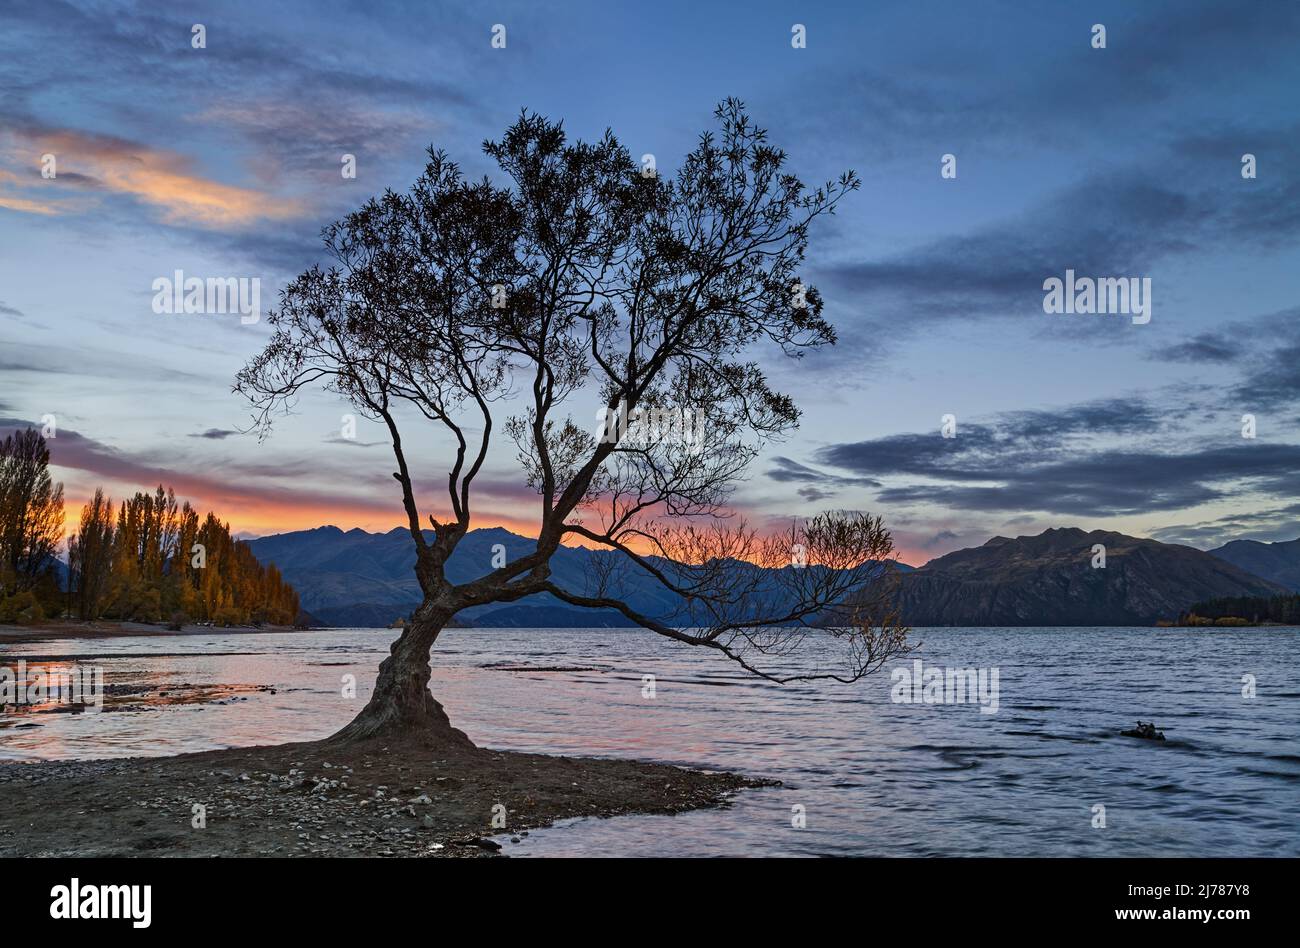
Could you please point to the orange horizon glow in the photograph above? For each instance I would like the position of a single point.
(270, 518)
(255, 516)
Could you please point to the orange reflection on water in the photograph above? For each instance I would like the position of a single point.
(43, 686)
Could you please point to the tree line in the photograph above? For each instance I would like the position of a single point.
(146, 559)
(1246, 610)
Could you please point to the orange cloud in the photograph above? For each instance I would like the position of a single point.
(163, 179)
(15, 203)
(27, 207)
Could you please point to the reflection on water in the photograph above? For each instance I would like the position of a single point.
(42, 687)
(873, 777)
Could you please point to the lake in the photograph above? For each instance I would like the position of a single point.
(863, 774)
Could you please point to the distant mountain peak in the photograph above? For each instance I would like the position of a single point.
(1268, 544)
(1278, 562)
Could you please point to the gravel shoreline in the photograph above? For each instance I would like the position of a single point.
(324, 799)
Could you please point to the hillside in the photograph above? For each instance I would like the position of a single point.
(1276, 562)
(1049, 580)
(355, 578)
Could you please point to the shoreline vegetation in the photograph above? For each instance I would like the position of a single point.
(386, 797)
(1223, 622)
(147, 559)
(1233, 611)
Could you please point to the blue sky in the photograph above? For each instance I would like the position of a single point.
(1115, 162)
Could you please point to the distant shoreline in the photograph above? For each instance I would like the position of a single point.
(113, 628)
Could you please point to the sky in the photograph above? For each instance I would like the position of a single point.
(1117, 161)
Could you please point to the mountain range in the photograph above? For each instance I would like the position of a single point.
(356, 578)
(1051, 580)
(1278, 562)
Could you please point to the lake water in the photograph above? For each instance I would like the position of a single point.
(867, 775)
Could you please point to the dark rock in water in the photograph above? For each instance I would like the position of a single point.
(1146, 732)
(481, 843)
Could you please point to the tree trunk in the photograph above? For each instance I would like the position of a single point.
(401, 706)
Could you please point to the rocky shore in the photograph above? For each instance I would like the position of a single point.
(324, 799)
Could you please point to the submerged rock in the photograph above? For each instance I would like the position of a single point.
(1146, 732)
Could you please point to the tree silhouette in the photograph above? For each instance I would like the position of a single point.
(588, 276)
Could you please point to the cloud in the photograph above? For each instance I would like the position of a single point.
(309, 135)
(1271, 380)
(287, 251)
(1116, 483)
(1012, 438)
(21, 204)
(1116, 225)
(1122, 221)
(215, 434)
(1104, 485)
(941, 538)
(942, 97)
(1203, 347)
(81, 363)
(352, 442)
(125, 45)
(1067, 463)
(106, 164)
(1268, 526)
(786, 471)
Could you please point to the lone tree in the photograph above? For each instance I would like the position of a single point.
(589, 277)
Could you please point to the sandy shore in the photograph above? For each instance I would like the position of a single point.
(318, 799)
